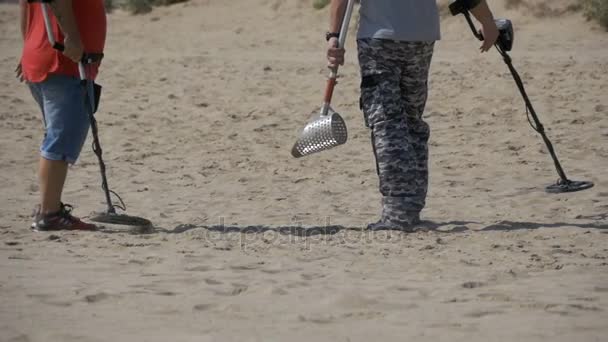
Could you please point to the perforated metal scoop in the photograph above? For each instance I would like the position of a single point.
(323, 132)
(326, 129)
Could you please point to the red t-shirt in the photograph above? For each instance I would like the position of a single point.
(39, 59)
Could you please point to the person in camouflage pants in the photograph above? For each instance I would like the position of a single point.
(395, 43)
(393, 96)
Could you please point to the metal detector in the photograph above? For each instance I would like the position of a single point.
(93, 91)
(503, 44)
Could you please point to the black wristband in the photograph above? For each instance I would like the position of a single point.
(330, 35)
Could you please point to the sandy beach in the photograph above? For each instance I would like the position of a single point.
(202, 102)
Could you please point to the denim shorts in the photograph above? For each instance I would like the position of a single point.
(65, 112)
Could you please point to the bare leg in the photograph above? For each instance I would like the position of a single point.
(52, 175)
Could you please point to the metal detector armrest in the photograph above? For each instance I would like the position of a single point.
(87, 58)
(504, 26)
(460, 6)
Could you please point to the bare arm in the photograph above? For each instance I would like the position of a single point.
(335, 56)
(336, 13)
(482, 12)
(23, 29)
(67, 22)
(23, 17)
(65, 17)
(484, 15)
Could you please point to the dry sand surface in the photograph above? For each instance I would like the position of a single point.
(201, 105)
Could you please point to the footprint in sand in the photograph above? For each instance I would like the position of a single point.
(276, 269)
(271, 271)
(456, 300)
(318, 319)
(210, 281)
(202, 268)
(247, 267)
(234, 291)
(312, 276)
(472, 284)
(569, 309)
(585, 299)
(278, 291)
(49, 300)
(136, 262)
(483, 313)
(149, 275)
(363, 315)
(98, 297)
(312, 259)
(445, 325)
(20, 338)
(600, 289)
(18, 257)
(295, 284)
(401, 288)
(495, 297)
(204, 307)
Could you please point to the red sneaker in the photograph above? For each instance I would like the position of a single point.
(61, 220)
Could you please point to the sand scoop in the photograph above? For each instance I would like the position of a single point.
(326, 129)
(93, 92)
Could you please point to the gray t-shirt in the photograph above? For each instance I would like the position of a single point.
(401, 20)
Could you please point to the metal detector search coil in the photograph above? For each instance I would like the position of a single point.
(323, 132)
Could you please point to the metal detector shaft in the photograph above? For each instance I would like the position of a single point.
(539, 126)
(333, 75)
(520, 85)
(476, 33)
(96, 144)
(90, 87)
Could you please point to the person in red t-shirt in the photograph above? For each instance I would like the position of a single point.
(53, 79)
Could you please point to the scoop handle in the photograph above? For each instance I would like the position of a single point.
(333, 75)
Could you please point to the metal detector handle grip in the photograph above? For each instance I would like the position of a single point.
(333, 75)
(477, 33)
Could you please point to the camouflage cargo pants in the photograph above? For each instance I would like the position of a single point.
(394, 91)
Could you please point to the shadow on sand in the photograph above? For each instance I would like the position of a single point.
(448, 227)
(511, 225)
(299, 231)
